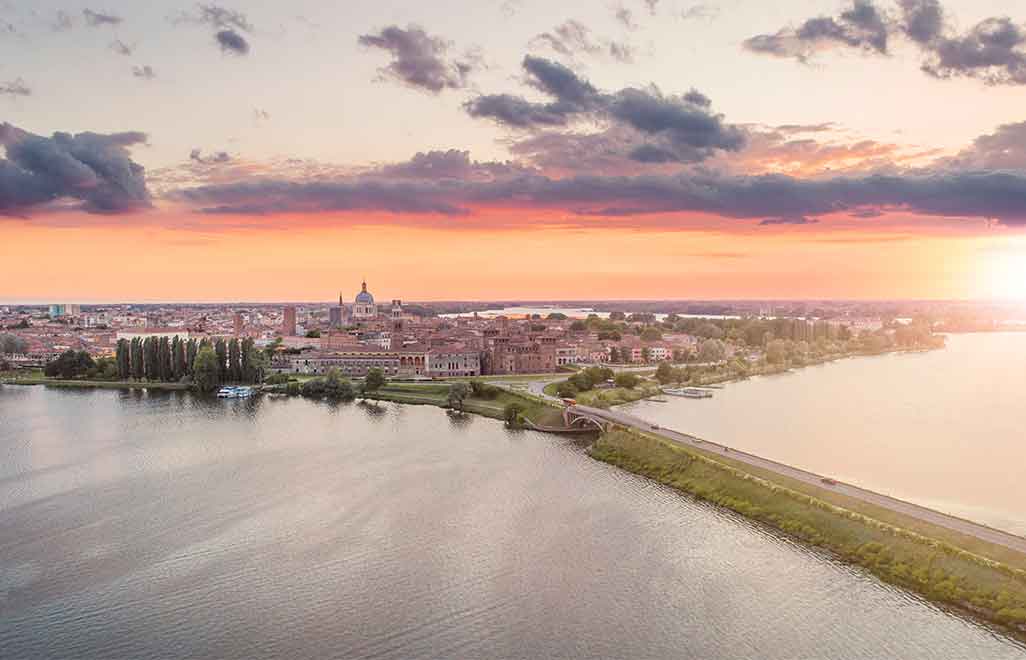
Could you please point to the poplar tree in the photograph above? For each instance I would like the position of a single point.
(234, 361)
(221, 353)
(122, 358)
(190, 356)
(136, 358)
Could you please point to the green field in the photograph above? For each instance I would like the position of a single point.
(976, 577)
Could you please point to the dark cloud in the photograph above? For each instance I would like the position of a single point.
(675, 128)
(797, 220)
(231, 42)
(1004, 149)
(15, 88)
(773, 198)
(228, 25)
(93, 171)
(922, 20)
(862, 26)
(420, 60)
(451, 164)
(145, 72)
(98, 19)
(573, 38)
(120, 47)
(994, 50)
(218, 18)
(265, 197)
(216, 158)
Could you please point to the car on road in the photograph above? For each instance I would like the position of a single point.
(656, 427)
(828, 481)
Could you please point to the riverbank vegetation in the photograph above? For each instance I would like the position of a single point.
(602, 387)
(982, 579)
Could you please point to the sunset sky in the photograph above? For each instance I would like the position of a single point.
(512, 149)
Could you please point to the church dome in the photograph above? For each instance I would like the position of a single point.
(364, 297)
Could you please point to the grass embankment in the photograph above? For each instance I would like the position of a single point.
(103, 384)
(604, 398)
(535, 409)
(974, 576)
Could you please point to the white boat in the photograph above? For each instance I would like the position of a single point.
(689, 392)
(235, 392)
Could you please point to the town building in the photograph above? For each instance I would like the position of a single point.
(288, 323)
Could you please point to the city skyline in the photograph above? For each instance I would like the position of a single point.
(633, 150)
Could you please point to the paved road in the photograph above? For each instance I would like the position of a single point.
(914, 510)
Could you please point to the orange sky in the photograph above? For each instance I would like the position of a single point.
(139, 262)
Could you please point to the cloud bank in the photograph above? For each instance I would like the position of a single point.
(91, 172)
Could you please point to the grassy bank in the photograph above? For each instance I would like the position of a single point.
(604, 398)
(103, 384)
(984, 580)
(535, 409)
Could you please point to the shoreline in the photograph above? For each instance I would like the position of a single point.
(913, 556)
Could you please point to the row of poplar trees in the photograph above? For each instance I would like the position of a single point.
(172, 359)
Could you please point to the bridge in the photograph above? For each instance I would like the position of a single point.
(579, 418)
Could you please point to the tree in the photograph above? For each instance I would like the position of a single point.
(626, 380)
(234, 361)
(709, 330)
(313, 334)
(712, 350)
(150, 358)
(512, 412)
(646, 354)
(337, 387)
(180, 364)
(777, 351)
(664, 373)
(651, 333)
(374, 380)
(556, 316)
(190, 355)
(137, 359)
(457, 393)
(616, 316)
(206, 372)
(254, 362)
(164, 350)
(614, 354)
(69, 364)
(566, 390)
(578, 326)
(121, 356)
(221, 353)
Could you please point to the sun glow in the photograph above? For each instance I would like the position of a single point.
(1006, 275)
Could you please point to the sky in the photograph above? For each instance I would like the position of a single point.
(504, 149)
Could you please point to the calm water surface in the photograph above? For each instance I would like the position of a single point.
(138, 525)
(946, 429)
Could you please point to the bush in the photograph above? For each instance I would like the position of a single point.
(277, 379)
(482, 390)
(626, 380)
(512, 412)
(566, 390)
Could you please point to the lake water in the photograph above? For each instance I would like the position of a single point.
(570, 312)
(945, 429)
(137, 525)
